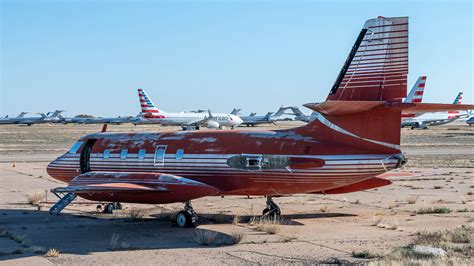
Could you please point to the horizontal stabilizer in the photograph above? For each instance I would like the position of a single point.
(337, 108)
(434, 107)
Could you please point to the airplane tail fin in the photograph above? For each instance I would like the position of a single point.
(296, 111)
(280, 111)
(267, 116)
(22, 114)
(57, 113)
(235, 111)
(364, 106)
(147, 106)
(361, 106)
(416, 93)
(455, 113)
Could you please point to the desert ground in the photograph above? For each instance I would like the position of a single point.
(430, 202)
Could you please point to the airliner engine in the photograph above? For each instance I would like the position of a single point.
(212, 124)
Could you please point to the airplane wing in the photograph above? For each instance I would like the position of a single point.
(106, 187)
(201, 121)
(163, 186)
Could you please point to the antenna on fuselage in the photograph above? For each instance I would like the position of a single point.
(104, 128)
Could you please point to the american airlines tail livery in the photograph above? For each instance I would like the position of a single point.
(151, 114)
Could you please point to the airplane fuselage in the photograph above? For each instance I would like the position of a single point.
(183, 119)
(265, 162)
(429, 119)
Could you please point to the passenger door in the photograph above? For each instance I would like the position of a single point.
(160, 153)
(86, 156)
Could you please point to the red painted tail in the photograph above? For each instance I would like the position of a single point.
(363, 106)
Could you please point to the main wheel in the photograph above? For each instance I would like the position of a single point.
(184, 219)
(117, 205)
(109, 208)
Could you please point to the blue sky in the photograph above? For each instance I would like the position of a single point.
(91, 56)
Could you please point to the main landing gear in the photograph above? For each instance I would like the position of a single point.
(272, 210)
(109, 208)
(186, 218)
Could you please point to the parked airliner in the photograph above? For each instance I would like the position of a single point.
(435, 118)
(151, 114)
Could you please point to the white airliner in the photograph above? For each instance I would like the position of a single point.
(151, 114)
(434, 118)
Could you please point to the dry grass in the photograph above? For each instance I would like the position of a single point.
(52, 253)
(205, 237)
(35, 198)
(20, 239)
(412, 199)
(376, 221)
(392, 224)
(364, 255)
(324, 208)
(429, 210)
(236, 219)
(116, 244)
(265, 224)
(458, 242)
(138, 214)
(289, 234)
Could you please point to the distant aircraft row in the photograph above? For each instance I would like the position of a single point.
(194, 120)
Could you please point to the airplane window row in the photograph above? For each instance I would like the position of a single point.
(160, 154)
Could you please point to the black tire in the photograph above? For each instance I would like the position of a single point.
(109, 208)
(184, 220)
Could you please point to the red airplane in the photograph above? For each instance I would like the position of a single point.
(355, 138)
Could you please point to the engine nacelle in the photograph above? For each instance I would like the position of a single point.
(212, 124)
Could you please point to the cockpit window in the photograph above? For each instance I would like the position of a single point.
(75, 147)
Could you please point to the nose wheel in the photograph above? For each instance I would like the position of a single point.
(272, 210)
(186, 218)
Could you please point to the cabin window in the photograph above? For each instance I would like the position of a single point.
(179, 154)
(141, 154)
(106, 154)
(160, 154)
(123, 154)
(75, 147)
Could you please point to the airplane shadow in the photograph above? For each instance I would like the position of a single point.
(283, 219)
(25, 233)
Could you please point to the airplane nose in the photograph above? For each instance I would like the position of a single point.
(238, 120)
(50, 168)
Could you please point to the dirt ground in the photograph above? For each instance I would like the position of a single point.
(315, 228)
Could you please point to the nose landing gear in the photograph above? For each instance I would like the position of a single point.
(186, 218)
(272, 210)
